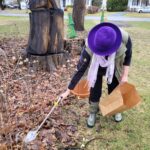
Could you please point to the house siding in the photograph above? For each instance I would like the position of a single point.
(65, 3)
(133, 4)
(7, 2)
(104, 4)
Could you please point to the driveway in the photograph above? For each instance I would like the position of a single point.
(119, 16)
(4, 13)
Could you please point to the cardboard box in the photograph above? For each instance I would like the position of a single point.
(122, 98)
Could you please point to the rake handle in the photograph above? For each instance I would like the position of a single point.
(55, 105)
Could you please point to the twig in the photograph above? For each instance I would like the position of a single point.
(11, 141)
(16, 66)
(27, 89)
(95, 138)
(6, 59)
(1, 120)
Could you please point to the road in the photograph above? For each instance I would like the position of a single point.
(119, 16)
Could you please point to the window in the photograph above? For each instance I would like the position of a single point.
(145, 3)
(64, 3)
(135, 2)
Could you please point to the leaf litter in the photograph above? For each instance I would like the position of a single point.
(27, 99)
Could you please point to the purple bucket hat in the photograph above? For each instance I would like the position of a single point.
(104, 39)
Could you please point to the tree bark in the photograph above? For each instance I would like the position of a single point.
(58, 3)
(46, 41)
(3, 110)
(54, 4)
(18, 1)
(79, 8)
(35, 4)
(39, 32)
(1, 5)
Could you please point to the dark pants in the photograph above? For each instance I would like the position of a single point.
(96, 92)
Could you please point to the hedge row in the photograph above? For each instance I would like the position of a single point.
(117, 5)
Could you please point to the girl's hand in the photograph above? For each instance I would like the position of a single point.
(65, 94)
(124, 78)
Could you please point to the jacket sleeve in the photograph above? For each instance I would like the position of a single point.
(81, 68)
(128, 53)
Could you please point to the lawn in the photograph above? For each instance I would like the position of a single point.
(143, 25)
(14, 26)
(99, 14)
(133, 132)
(17, 11)
(138, 15)
(128, 14)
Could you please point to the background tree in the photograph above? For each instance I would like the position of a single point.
(58, 3)
(2, 4)
(97, 3)
(79, 8)
(18, 1)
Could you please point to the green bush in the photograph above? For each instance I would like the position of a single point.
(92, 9)
(97, 3)
(69, 6)
(117, 5)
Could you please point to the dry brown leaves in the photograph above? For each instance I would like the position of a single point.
(28, 97)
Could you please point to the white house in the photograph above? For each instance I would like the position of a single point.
(104, 4)
(64, 3)
(23, 3)
(133, 4)
(7, 2)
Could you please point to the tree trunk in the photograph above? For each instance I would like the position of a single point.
(1, 5)
(58, 3)
(36, 4)
(18, 1)
(39, 32)
(78, 14)
(46, 41)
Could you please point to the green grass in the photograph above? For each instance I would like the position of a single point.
(133, 132)
(17, 11)
(139, 15)
(14, 26)
(144, 25)
(90, 24)
(128, 14)
(106, 13)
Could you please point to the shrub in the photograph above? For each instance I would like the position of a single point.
(117, 5)
(97, 3)
(92, 9)
(69, 8)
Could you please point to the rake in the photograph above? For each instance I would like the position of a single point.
(33, 133)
